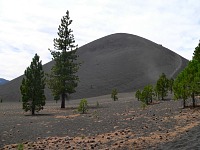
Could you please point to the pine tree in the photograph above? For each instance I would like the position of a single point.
(32, 87)
(187, 82)
(83, 106)
(63, 79)
(197, 53)
(138, 94)
(162, 86)
(147, 94)
(193, 78)
(180, 88)
(114, 94)
(170, 84)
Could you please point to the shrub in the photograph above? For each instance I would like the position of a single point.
(1, 100)
(138, 94)
(20, 147)
(83, 106)
(114, 94)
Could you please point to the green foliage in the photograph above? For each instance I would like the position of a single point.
(180, 88)
(1, 100)
(20, 146)
(147, 94)
(187, 82)
(156, 93)
(114, 94)
(162, 86)
(32, 87)
(170, 84)
(63, 79)
(83, 106)
(196, 54)
(138, 94)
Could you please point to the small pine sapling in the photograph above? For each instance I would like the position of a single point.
(83, 106)
(138, 94)
(114, 94)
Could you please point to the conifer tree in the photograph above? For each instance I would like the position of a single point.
(162, 86)
(187, 82)
(196, 54)
(63, 79)
(114, 94)
(83, 106)
(32, 87)
(138, 94)
(147, 94)
(170, 84)
(180, 88)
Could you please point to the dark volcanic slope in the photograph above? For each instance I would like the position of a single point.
(123, 61)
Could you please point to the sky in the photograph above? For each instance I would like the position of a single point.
(29, 26)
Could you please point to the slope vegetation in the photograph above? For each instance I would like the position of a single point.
(123, 61)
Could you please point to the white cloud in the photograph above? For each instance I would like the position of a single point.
(29, 27)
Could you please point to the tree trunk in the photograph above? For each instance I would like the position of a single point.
(193, 100)
(151, 100)
(63, 101)
(33, 110)
(183, 103)
(162, 97)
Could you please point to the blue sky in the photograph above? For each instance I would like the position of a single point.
(29, 26)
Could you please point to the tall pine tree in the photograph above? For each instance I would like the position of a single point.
(32, 87)
(63, 79)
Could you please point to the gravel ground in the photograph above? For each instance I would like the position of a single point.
(122, 124)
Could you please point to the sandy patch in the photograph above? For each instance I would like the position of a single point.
(68, 117)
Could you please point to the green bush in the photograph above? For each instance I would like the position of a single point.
(83, 106)
(20, 147)
(1, 100)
